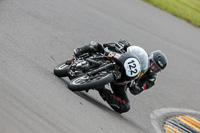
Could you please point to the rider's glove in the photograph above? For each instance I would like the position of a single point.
(136, 90)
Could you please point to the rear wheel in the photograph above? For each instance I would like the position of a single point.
(86, 82)
(62, 70)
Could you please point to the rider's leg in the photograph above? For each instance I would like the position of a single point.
(117, 100)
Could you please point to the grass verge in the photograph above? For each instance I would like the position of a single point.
(188, 10)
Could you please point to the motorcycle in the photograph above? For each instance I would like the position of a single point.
(93, 70)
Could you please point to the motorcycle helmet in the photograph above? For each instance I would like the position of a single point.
(158, 61)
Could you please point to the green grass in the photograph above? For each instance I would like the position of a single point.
(188, 10)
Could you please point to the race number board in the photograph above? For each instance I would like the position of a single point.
(132, 67)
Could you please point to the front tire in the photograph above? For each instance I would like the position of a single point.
(61, 70)
(86, 82)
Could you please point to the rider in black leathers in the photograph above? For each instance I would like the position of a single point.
(118, 100)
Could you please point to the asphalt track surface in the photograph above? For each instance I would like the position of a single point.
(36, 35)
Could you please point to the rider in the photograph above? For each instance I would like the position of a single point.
(118, 100)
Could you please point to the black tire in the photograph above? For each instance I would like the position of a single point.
(86, 82)
(61, 70)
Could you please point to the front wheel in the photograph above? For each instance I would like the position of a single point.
(86, 82)
(62, 70)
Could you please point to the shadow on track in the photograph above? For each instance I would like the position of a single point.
(110, 111)
(107, 109)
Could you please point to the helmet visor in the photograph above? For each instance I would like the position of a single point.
(154, 67)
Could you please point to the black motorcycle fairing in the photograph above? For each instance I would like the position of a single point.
(120, 60)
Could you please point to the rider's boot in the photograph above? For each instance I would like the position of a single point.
(92, 47)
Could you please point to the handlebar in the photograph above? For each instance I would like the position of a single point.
(119, 48)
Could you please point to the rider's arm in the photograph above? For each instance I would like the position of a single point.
(143, 84)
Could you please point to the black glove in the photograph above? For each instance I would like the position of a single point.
(136, 90)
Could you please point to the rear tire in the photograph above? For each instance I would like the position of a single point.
(61, 70)
(86, 82)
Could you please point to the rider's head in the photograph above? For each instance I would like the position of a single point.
(158, 61)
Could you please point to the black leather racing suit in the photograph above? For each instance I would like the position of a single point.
(118, 98)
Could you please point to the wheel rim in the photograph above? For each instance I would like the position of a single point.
(88, 79)
(62, 66)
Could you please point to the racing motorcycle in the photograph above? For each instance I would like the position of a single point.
(93, 70)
